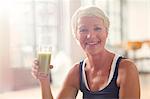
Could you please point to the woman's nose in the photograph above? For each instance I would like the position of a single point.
(91, 34)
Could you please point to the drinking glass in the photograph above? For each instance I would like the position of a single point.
(44, 58)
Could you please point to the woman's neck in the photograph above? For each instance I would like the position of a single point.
(100, 61)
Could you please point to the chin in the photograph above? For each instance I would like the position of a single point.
(94, 52)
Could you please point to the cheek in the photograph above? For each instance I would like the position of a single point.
(77, 36)
(81, 41)
(80, 38)
(103, 37)
(104, 40)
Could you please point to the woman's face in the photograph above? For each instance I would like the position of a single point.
(91, 34)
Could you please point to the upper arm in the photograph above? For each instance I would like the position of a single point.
(71, 84)
(128, 80)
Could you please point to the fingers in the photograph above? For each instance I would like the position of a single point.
(42, 76)
(36, 73)
(35, 69)
(50, 66)
(36, 62)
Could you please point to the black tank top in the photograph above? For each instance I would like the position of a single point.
(111, 91)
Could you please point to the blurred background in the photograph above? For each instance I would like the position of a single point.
(26, 24)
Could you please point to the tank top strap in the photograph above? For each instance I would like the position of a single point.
(117, 66)
(81, 76)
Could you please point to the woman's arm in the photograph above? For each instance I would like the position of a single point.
(69, 89)
(128, 80)
(43, 79)
(45, 89)
(71, 84)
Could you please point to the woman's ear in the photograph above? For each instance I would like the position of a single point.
(76, 36)
(106, 32)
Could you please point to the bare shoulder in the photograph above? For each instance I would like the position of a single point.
(128, 80)
(73, 76)
(127, 66)
(127, 71)
(74, 69)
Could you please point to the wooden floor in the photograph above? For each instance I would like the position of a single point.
(34, 93)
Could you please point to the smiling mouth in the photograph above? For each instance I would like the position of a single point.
(93, 43)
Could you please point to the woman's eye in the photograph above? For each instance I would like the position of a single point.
(83, 30)
(97, 29)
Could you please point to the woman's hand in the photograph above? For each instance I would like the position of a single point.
(44, 80)
(37, 74)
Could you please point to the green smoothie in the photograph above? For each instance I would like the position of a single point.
(44, 59)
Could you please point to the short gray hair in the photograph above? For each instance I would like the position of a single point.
(88, 11)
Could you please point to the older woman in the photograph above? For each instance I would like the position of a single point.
(102, 74)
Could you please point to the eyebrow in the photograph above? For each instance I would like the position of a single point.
(81, 26)
(97, 25)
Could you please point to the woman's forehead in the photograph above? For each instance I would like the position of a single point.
(90, 20)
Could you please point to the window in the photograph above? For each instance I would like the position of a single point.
(138, 22)
(32, 22)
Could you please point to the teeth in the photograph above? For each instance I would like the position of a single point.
(92, 43)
